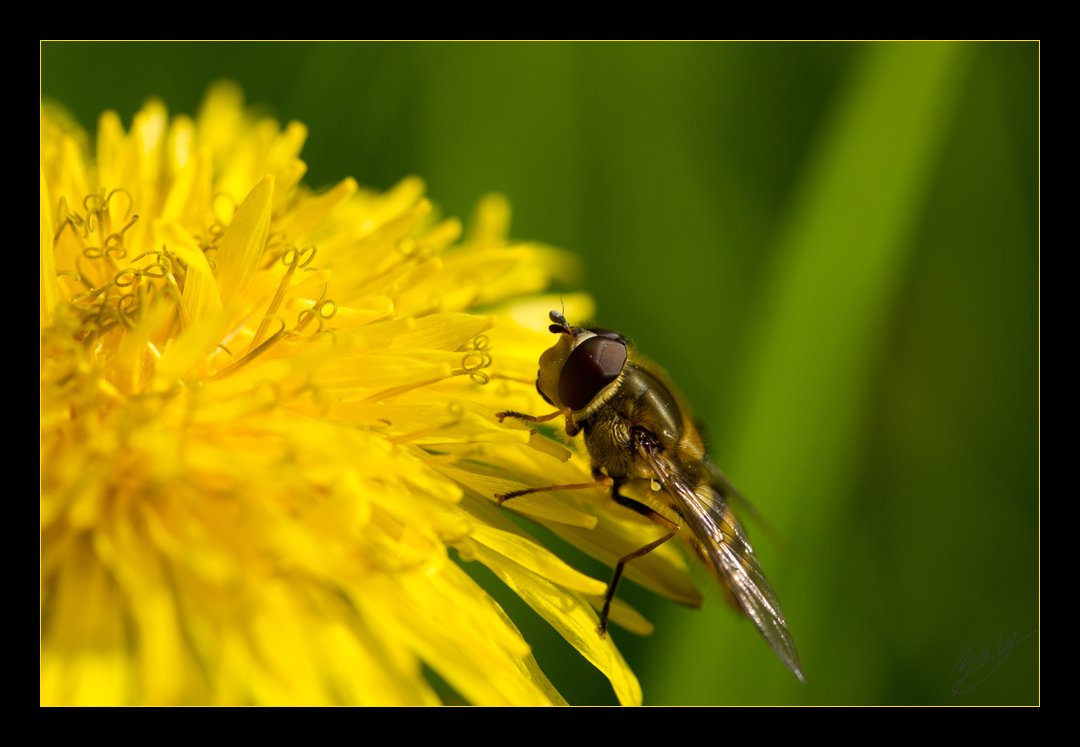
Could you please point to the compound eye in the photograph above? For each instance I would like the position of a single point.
(593, 365)
(608, 333)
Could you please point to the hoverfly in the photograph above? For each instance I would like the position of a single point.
(638, 432)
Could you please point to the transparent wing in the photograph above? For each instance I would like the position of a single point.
(716, 528)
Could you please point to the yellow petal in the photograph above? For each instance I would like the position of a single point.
(241, 248)
(110, 149)
(200, 297)
(188, 199)
(179, 144)
(50, 293)
(312, 212)
(445, 331)
(537, 559)
(573, 617)
(367, 310)
(287, 178)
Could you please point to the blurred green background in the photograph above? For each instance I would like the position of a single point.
(832, 247)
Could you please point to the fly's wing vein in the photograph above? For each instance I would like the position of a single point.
(717, 529)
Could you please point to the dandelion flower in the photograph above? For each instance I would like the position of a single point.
(267, 414)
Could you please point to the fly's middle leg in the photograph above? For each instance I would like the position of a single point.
(601, 481)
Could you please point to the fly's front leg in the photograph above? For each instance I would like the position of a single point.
(571, 427)
(599, 478)
(530, 418)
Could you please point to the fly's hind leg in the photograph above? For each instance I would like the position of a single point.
(649, 514)
(602, 480)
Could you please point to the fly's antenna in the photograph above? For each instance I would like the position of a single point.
(560, 326)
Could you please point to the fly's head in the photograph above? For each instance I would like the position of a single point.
(582, 370)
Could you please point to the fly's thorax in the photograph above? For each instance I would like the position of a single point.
(650, 404)
(638, 400)
(663, 410)
(607, 439)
